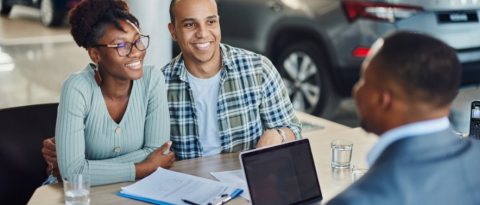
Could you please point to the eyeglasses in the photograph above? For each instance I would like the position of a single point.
(125, 48)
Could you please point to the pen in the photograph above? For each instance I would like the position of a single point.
(234, 194)
(189, 202)
(167, 151)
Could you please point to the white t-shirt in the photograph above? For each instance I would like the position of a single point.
(205, 96)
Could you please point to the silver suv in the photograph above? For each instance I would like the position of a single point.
(318, 45)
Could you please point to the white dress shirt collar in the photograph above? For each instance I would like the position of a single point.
(409, 130)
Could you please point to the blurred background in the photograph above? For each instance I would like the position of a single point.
(317, 45)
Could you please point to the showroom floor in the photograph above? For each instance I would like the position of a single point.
(35, 60)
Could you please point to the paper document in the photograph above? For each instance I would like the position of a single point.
(169, 187)
(235, 178)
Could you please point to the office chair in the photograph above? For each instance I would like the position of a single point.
(23, 169)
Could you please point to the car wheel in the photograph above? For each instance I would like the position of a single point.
(50, 15)
(304, 71)
(4, 8)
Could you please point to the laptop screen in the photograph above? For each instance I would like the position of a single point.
(283, 174)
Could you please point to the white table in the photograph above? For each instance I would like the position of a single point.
(331, 182)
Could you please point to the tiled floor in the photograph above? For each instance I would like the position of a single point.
(44, 57)
(35, 60)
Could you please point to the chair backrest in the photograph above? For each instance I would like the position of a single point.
(22, 130)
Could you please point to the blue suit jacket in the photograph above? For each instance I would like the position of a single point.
(438, 168)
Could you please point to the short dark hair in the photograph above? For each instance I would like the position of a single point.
(89, 18)
(172, 13)
(426, 68)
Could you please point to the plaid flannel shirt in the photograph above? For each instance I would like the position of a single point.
(252, 98)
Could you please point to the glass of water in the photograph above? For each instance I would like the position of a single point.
(77, 189)
(341, 153)
(358, 172)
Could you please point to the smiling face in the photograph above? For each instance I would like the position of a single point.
(197, 31)
(110, 63)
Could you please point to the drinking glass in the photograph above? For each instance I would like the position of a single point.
(357, 173)
(77, 189)
(341, 153)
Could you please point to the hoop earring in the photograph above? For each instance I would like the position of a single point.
(98, 78)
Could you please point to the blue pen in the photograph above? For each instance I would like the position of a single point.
(234, 194)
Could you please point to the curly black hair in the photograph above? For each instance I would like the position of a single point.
(89, 18)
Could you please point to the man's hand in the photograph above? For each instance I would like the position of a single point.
(49, 153)
(272, 137)
(269, 137)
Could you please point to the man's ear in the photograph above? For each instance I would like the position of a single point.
(171, 28)
(94, 55)
(385, 100)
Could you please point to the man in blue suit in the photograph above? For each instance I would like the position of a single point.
(407, 84)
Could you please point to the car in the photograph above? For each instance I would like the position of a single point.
(52, 12)
(319, 45)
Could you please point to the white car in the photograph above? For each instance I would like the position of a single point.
(52, 12)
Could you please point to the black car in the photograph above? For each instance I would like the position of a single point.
(52, 12)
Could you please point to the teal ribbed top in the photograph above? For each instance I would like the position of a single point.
(86, 135)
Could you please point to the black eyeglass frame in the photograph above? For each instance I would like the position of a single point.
(131, 44)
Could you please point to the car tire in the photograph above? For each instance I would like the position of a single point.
(50, 15)
(303, 67)
(4, 8)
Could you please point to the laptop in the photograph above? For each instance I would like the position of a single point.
(282, 174)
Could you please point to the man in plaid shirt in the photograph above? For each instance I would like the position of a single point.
(221, 98)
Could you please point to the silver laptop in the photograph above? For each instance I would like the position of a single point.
(282, 174)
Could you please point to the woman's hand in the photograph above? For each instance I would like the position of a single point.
(49, 153)
(161, 157)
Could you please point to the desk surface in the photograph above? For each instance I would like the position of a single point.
(331, 182)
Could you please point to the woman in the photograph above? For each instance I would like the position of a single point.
(113, 115)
